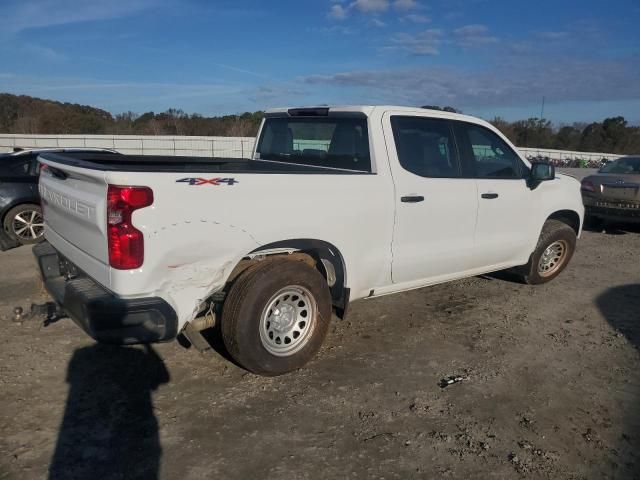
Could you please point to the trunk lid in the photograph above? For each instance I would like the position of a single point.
(617, 187)
(74, 203)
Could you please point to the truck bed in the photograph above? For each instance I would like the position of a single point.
(159, 163)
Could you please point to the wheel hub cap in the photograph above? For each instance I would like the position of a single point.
(28, 225)
(283, 318)
(287, 321)
(552, 258)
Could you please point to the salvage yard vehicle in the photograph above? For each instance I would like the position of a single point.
(20, 211)
(613, 194)
(336, 204)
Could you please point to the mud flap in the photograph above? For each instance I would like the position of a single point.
(6, 242)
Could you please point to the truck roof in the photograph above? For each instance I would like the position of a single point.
(370, 109)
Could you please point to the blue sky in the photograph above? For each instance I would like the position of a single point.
(486, 57)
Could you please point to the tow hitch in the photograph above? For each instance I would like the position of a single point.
(49, 312)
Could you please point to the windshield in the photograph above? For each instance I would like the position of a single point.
(333, 142)
(630, 165)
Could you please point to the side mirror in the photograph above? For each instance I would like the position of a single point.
(541, 172)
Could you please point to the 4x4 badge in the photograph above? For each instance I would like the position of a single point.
(208, 181)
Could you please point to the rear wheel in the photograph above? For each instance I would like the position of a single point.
(25, 224)
(552, 254)
(276, 316)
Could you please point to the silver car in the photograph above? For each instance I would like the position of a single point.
(614, 192)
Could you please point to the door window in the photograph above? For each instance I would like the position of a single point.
(490, 156)
(425, 146)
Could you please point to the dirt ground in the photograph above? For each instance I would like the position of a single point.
(551, 389)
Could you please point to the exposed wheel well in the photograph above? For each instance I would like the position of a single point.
(569, 217)
(322, 255)
(17, 204)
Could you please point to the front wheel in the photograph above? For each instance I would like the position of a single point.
(25, 224)
(552, 254)
(276, 316)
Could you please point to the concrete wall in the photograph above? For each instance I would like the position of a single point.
(578, 173)
(566, 154)
(235, 147)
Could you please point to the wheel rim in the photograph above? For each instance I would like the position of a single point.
(28, 225)
(552, 258)
(288, 321)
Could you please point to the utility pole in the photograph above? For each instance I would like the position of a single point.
(542, 109)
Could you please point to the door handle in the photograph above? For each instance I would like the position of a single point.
(412, 199)
(490, 196)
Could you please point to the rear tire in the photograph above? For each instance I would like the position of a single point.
(552, 254)
(25, 224)
(276, 316)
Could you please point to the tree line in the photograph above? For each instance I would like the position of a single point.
(612, 135)
(30, 115)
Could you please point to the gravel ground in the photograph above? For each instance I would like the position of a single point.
(551, 388)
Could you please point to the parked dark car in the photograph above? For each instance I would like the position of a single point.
(613, 194)
(20, 211)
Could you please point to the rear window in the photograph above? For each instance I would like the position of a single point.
(333, 142)
(629, 165)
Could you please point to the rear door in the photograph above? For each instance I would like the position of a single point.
(435, 206)
(504, 229)
(74, 205)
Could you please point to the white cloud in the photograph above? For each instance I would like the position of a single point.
(506, 85)
(473, 36)
(405, 4)
(416, 18)
(43, 53)
(337, 12)
(426, 42)
(553, 35)
(368, 6)
(340, 9)
(376, 22)
(27, 14)
(333, 30)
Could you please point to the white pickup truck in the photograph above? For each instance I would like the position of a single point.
(336, 204)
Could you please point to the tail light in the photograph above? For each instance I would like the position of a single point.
(588, 186)
(126, 243)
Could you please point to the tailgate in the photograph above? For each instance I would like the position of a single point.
(74, 204)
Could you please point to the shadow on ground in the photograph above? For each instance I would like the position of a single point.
(109, 430)
(610, 228)
(621, 308)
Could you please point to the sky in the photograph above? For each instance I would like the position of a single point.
(485, 57)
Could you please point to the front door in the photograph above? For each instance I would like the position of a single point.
(504, 229)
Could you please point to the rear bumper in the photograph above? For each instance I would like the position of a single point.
(623, 214)
(103, 315)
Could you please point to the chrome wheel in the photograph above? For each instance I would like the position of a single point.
(552, 258)
(28, 225)
(287, 322)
